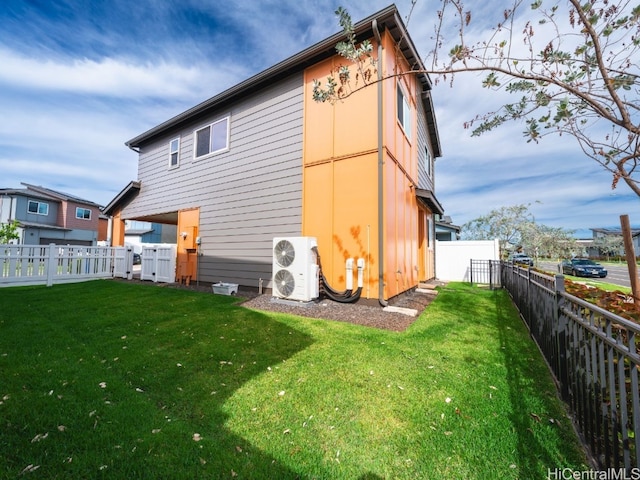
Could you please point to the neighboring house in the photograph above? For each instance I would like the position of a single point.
(446, 231)
(139, 233)
(103, 229)
(47, 216)
(263, 160)
(614, 234)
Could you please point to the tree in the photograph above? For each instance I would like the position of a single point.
(574, 69)
(609, 244)
(504, 223)
(516, 229)
(8, 232)
(548, 242)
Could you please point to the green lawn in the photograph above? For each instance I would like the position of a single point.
(117, 380)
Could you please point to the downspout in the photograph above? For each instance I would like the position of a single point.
(383, 302)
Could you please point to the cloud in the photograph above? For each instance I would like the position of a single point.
(77, 83)
(112, 77)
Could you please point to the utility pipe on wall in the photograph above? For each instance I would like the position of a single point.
(383, 302)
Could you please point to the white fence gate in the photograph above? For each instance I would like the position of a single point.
(159, 263)
(123, 262)
(46, 265)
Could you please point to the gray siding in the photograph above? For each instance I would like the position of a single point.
(43, 236)
(22, 211)
(246, 196)
(425, 181)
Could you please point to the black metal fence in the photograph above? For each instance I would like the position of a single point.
(594, 356)
(485, 272)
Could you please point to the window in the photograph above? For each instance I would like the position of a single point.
(174, 150)
(427, 161)
(83, 213)
(404, 112)
(39, 208)
(213, 138)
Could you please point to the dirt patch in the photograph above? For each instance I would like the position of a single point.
(367, 313)
(358, 313)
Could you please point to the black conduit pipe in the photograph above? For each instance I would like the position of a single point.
(346, 296)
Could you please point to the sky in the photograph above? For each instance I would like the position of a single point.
(80, 78)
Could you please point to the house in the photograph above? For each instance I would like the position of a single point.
(47, 216)
(446, 231)
(138, 233)
(263, 160)
(608, 241)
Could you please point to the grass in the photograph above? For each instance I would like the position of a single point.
(117, 380)
(607, 287)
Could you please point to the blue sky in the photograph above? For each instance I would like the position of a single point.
(79, 78)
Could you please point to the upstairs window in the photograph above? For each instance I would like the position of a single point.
(83, 213)
(39, 208)
(212, 139)
(404, 112)
(428, 163)
(174, 152)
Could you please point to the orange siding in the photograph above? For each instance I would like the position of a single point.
(340, 182)
(402, 265)
(103, 229)
(117, 230)
(340, 179)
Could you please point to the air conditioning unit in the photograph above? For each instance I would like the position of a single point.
(295, 268)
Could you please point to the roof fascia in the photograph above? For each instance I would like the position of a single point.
(429, 199)
(122, 198)
(387, 18)
(58, 195)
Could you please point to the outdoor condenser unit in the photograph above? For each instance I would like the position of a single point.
(295, 268)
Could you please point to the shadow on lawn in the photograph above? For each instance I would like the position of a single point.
(524, 377)
(236, 354)
(167, 375)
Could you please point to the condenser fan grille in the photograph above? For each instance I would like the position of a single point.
(284, 253)
(284, 282)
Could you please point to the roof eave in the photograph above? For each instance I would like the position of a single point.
(387, 18)
(429, 199)
(123, 197)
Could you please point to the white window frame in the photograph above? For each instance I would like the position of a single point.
(403, 113)
(211, 127)
(82, 217)
(175, 152)
(429, 162)
(39, 204)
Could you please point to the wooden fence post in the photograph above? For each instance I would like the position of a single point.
(631, 258)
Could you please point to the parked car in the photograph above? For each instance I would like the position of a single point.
(520, 259)
(137, 259)
(583, 267)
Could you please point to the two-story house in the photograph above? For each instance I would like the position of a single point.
(263, 160)
(47, 216)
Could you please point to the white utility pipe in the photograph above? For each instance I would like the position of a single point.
(349, 273)
(360, 272)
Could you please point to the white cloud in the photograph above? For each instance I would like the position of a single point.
(66, 115)
(113, 77)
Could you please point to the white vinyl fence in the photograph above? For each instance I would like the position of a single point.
(50, 264)
(453, 259)
(158, 263)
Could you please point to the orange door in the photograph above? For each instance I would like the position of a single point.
(187, 261)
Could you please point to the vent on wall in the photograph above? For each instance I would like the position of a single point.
(295, 268)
